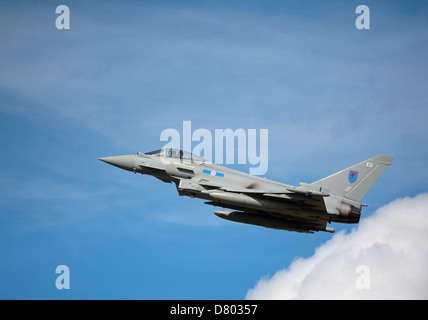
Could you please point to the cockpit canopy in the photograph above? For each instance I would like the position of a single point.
(175, 153)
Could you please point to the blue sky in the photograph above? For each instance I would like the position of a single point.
(329, 94)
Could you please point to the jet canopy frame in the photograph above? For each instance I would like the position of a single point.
(175, 153)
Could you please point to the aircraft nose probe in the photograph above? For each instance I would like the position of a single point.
(123, 162)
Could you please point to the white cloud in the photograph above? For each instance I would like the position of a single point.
(387, 252)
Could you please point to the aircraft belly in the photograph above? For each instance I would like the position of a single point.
(269, 208)
(282, 207)
(273, 223)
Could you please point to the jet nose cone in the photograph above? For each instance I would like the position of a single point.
(123, 162)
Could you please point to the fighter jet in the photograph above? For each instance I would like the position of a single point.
(306, 208)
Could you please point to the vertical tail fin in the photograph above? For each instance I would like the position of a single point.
(354, 182)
